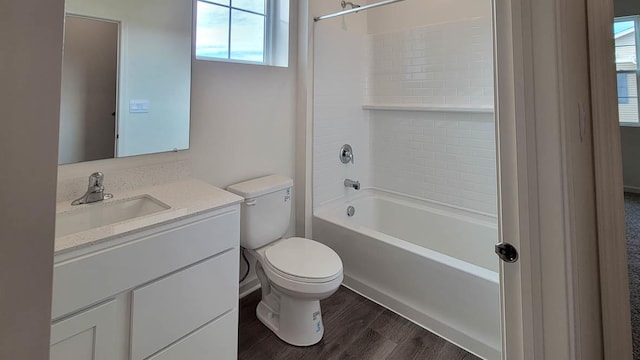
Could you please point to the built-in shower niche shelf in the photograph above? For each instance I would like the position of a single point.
(430, 108)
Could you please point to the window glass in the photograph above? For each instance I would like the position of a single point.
(628, 97)
(257, 6)
(626, 40)
(212, 31)
(626, 52)
(247, 31)
(247, 36)
(221, 2)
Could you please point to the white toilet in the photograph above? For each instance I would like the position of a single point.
(295, 273)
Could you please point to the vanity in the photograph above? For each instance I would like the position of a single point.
(154, 277)
(151, 273)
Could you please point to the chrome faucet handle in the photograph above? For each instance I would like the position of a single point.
(95, 190)
(96, 179)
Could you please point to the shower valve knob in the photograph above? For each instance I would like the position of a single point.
(346, 154)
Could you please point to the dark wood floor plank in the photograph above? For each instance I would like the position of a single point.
(421, 345)
(394, 327)
(271, 347)
(250, 330)
(349, 323)
(335, 304)
(355, 329)
(370, 345)
(452, 352)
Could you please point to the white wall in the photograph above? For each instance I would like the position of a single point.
(410, 14)
(340, 67)
(89, 90)
(30, 70)
(155, 48)
(356, 22)
(630, 136)
(243, 121)
(626, 7)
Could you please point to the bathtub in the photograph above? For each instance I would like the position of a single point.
(428, 262)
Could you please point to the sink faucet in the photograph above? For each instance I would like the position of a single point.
(352, 184)
(95, 192)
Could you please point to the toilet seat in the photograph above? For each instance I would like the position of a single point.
(303, 260)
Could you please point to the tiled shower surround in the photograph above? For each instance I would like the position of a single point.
(446, 156)
(339, 86)
(442, 64)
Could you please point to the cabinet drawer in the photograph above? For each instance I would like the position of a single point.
(172, 307)
(216, 340)
(91, 278)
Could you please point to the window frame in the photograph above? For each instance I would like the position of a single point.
(636, 20)
(267, 40)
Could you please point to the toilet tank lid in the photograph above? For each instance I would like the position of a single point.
(260, 186)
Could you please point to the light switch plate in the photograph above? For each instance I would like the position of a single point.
(138, 106)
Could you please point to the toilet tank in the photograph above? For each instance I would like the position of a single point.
(266, 211)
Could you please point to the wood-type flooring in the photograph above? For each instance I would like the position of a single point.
(355, 328)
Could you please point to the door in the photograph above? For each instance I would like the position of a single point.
(512, 217)
(89, 90)
(551, 296)
(88, 335)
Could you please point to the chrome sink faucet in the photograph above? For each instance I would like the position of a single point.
(95, 191)
(352, 184)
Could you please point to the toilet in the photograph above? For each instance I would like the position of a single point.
(295, 273)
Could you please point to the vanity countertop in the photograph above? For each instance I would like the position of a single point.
(186, 198)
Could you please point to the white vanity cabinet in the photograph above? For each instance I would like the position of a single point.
(167, 292)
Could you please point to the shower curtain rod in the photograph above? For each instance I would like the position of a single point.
(354, 10)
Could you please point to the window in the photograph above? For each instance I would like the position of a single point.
(627, 38)
(249, 31)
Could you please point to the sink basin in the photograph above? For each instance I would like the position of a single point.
(101, 214)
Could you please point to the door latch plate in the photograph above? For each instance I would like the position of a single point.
(507, 252)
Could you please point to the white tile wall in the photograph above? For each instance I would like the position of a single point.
(446, 157)
(441, 64)
(340, 66)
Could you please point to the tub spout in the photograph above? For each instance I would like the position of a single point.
(352, 184)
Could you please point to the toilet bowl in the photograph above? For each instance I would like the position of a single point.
(292, 289)
(294, 273)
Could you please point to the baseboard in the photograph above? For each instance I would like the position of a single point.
(249, 287)
(632, 189)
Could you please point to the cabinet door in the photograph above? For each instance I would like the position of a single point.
(85, 336)
(216, 340)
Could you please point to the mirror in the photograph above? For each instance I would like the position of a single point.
(126, 83)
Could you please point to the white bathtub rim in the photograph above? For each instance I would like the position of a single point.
(458, 264)
(485, 218)
(435, 326)
(475, 270)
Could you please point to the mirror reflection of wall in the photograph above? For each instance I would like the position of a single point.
(89, 90)
(126, 93)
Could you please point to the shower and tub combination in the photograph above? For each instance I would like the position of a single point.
(413, 218)
(426, 261)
